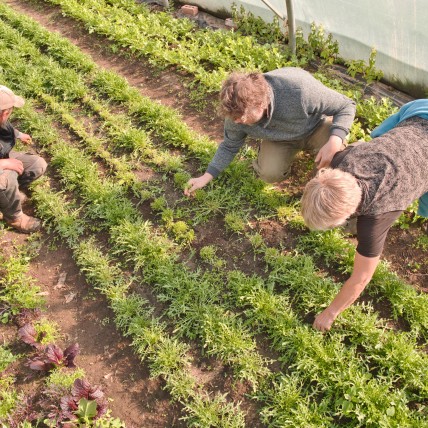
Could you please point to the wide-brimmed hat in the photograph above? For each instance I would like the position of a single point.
(8, 99)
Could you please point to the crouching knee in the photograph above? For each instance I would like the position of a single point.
(39, 167)
(8, 180)
(272, 177)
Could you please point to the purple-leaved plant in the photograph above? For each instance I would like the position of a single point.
(86, 402)
(53, 356)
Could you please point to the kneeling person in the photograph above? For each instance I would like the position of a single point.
(290, 111)
(17, 170)
(373, 183)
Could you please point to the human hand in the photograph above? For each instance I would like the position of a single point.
(326, 153)
(12, 164)
(324, 320)
(197, 183)
(25, 138)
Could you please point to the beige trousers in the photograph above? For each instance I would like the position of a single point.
(274, 160)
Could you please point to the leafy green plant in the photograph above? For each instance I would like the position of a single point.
(289, 407)
(182, 232)
(410, 216)
(214, 413)
(159, 204)
(17, 289)
(61, 377)
(235, 222)
(48, 331)
(373, 112)
(9, 397)
(6, 358)
(325, 46)
(368, 71)
(291, 215)
(209, 255)
(249, 24)
(421, 242)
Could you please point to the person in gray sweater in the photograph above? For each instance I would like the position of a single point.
(290, 111)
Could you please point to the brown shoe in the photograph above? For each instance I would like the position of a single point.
(25, 223)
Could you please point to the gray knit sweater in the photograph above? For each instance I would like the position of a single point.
(298, 104)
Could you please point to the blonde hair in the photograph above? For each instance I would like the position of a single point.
(330, 198)
(241, 91)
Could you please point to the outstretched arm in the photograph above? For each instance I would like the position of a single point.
(197, 183)
(364, 268)
(234, 139)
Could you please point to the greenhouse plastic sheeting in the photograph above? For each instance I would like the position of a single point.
(397, 29)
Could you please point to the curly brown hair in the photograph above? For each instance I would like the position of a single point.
(241, 91)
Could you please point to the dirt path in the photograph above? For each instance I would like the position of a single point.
(83, 316)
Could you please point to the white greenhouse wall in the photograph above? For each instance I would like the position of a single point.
(397, 29)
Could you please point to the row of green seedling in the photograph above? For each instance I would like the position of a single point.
(169, 41)
(166, 355)
(137, 244)
(205, 54)
(106, 201)
(405, 300)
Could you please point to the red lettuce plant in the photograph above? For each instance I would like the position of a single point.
(85, 404)
(53, 356)
(24, 412)
(50, 356)
(28, 334)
